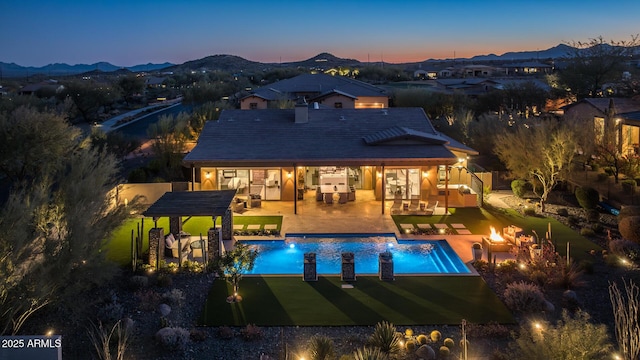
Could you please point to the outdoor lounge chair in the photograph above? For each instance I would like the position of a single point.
(415, 202)
(431, 207)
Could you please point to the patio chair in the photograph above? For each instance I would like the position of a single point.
(431, 207)
(415, 202)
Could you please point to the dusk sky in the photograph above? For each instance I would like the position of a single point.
(126, 33)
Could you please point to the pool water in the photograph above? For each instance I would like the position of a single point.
(409, 256)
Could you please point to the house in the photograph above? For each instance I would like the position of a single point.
(467, 86)
(49, 87)
(527, 68)
(327, 90)
(280, 154)
(613, 118)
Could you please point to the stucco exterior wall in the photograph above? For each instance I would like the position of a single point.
(245, 104)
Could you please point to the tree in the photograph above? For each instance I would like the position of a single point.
(130, 86)
(542, 152)
(54, 227)
(115, 142)
(626, 312)
(170, 137)
(572, 338)
(89, 98)
(593, 63)
(33, 143)
(233, 264)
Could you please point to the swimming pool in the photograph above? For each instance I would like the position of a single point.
(409, 256)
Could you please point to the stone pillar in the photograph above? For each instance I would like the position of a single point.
(175, 226)
(156, 246)
(310, 272)
(227, 225)
(385, 266)
(213, 244)
(348, 267)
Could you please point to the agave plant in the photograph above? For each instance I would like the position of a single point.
(369, 353)
(386, 338)
(321, 348)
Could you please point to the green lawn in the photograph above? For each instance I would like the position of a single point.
(409, 300)
(479, 220)
(119, 248)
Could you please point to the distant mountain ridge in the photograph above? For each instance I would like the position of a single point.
(233, 63)
(58, 69)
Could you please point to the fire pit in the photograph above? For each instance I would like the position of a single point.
(495, 242)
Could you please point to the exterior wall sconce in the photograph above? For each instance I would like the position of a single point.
(289, 174)
(207, 175)
(425, 173)
(379, 175)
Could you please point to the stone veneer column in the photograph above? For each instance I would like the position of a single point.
(385, 266)
(227, 225)
(348, 267)
(175, 225)
(156, 246)
(213, 244)
(310, 270)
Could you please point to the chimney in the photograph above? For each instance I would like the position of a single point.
(302, 112)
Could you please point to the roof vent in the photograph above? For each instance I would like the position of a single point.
(257, 119)
(342, 118)
(316, 106)
(385, 112)
(231, 119)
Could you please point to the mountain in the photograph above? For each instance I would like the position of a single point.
(57, 69)
(555, 52)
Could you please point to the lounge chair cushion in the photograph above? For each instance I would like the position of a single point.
(169, 239)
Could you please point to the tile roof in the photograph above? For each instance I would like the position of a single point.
(319, 84)
(271, 137)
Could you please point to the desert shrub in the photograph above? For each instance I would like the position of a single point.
(489, 330)
(609, 170)
(593, 215)
(524, 297)
(164, 280)
(148, 299)
(174, 297)
(507, 267)
(386, 338)
(110, 312)
(539, 277)
(444, 351)
(448, 342)
(225, 332)
(138, 281)
(530, 211)
(629, 227)
(586, 266)
(520, 187)
(597, 228)
(563, 212)
(435, 336)
(569, 276)
(411, 346)
(587, 197)
(587, 232)
(197, 335)
(369, 353)
(321, 348)
(602, 177)
(481, 265)
(408, 332)
(629, 210)
(625, 248)
(628, 185)
(137, 176)
(173, 338)
(251, 332)
(595, 167)
(573, 220)
(422, 339)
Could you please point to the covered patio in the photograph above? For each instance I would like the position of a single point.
(175, 206)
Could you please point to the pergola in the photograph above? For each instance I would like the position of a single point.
(175, 205)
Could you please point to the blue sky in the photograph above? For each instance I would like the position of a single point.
(126, 33)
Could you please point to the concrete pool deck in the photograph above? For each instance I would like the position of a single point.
(364, 216)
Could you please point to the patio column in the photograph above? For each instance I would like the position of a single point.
(193, 178)
(446, 188)
(227, 225)
(383, 188)
(295, 190)
(156, 246)
(213, 244)
(175, 225)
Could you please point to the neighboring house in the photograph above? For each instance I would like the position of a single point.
(281, 154)
(614, 118)
(51, 86)
(334, 91)
(478, 70)
(468, 86)
(154, 82)
(427, 74)
(527, 68)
